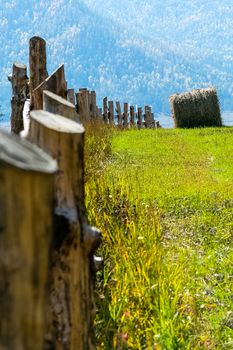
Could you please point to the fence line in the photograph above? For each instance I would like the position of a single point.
(48, 302)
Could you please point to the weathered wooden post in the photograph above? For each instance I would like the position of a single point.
(125, 115)
(19, 82)
(26, 206)
(71, 310)
(149, 120)
(105, 109)
(132, 120)
(93, 107)
(111, 112)
(55, 104)
(71, 96)
(55, 83)
(139, 122)
(83, 105)
(119, 115)
(37, 63)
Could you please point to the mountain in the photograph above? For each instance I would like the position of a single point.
(135, 51)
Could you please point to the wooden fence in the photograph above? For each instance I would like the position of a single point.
(47, 262)
(87, 109)
(47, 246)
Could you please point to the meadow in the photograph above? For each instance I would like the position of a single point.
(163, 199)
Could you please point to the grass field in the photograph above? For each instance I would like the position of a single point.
(164, 202)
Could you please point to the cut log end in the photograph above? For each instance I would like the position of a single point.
(56, 104)
(24, 155)
(56, 122)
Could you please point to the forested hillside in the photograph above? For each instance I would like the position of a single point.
(136, 51)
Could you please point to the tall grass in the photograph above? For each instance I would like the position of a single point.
(164, 202)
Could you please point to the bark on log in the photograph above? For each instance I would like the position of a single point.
(139, 122)
(26, 205)
(111, 112)
(55, 104)
(83, 105)
(119, 115)
(38, 64)
(55, 83)
(105, 109)
(19, 82)
(132, 120)
(125, 115)
(71, 96)
(72, 265)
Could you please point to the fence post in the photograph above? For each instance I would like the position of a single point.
(26, 201)
(139, 122)
(82, 98)
(71, 96)
(111, 112)
(132, 120)
(70, 325)
(125, 115)
(55, 104)
(119, 115)
(37, 63)
(149, 119)
(93, 106)
(19, 82)
(105, 109)
(55, 83)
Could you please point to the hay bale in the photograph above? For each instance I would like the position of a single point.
(197, 108)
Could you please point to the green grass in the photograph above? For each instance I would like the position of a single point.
(164, 202)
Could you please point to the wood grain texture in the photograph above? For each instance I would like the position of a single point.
(55, 83)
(37, 64)
(55, 104)
(26, 202)
(71, 310)
(83, 104)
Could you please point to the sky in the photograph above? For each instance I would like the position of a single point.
(133, 51)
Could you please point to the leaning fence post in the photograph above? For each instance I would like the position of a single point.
(19, 82)
(26, 201)
(72, 265)
(55, 83)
